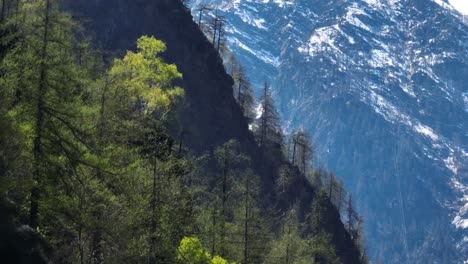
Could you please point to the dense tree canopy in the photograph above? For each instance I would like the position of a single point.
(90, 173)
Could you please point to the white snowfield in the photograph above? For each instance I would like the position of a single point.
(460, 5)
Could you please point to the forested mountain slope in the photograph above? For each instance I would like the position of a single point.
(104, 168)
(211, 116)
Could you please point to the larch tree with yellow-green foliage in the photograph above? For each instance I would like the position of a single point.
(130, 103)
(191, 251)
(143, 81)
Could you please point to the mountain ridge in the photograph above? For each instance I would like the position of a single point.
(361, 73)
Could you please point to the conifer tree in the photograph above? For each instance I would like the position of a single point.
(217, 28)
(48, 91)
(301, 150)
(201, 11)
(320, 241)
(243, 92)
(290, 247)
(285, 178)
(253, 226)
(143, 85)
(267, 127)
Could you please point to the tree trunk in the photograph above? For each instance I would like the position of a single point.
(200, 17)
(294, 151)
(215, 28)
(39, 123)
(97, 254)
(223, 207)
(288, 244)
(220, 29)
(246, 223)
(339, 198)
(17, 7)
(2, 15)
(239, 92)
(304, 157)
(180, 141)
(264, 117)
(153, 227)
(213, 234)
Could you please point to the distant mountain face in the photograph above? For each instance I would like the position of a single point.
(382, 85)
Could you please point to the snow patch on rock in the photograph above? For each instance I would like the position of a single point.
(460, 5)
(380, 58)
(450, 164)
(426, 131)
(352, 17)
(264, 56)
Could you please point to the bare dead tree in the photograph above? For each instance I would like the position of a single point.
(201, 11)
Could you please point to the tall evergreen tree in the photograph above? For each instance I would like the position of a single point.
(40, 68)
(301, 150)
(243, 92)
(267, 127)
(253, 228)
(290, 247)
(320, 241)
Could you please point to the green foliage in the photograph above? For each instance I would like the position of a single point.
(191, 251)
(322, 250)
(230, 219)
(317, 217)
(220, 260)
(88, 161)
(290, 247)
(43, 86)
(144, 78)
(267, 128)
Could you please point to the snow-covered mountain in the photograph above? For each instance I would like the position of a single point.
(383, 87)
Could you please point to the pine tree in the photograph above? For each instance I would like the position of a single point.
(231, 164)
(217, 29)
(322, 249)
(40, 70)
(243, 92)
(267, 127)
(232, 223)
(219, 210)
(290, 247)
(320, 241)
(317, 218)
(253, 228)
(201, 11)
(232, 213)
(301, 150)
(285, 179)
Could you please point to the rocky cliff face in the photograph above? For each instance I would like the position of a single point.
(382, 86)
(117, 24)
